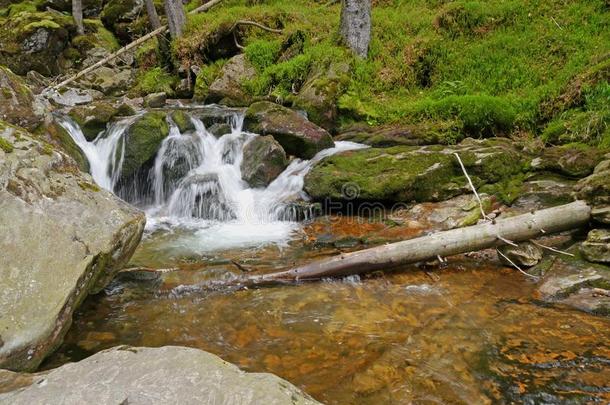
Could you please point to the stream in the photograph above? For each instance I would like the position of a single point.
(469, 333)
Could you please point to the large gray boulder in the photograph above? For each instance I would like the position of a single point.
(170, 374)
(62, 238)
(228, 87)
(297, 135)
(264, 159)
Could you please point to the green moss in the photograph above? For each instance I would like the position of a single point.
(86, 186)
(6, 146)
(143, 140)
(41, 24)
(206, 77)
(154, 81)
(182, 120)
(263, 53)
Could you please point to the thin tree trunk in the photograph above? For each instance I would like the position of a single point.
(176, 19)
(77, 14)
(447, 243)
(356, 25)
(153, 18)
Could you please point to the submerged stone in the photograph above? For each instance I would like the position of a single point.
(62, 238)
(297, 135)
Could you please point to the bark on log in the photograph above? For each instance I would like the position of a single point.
(447, 243)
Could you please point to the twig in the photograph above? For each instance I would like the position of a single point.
(254, 23)
(474, 190)
(556, 23)
(516, 266)
(552, 249)
(236, 42)
(240, 266)
(508, 242)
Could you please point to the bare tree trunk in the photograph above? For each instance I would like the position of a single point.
(153, 18)
(176, 19)
(356, 25)
(77, 13)
(447, 243)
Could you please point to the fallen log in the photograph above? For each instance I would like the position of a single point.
(447, 243)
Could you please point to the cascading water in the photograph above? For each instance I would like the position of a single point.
(196, 185)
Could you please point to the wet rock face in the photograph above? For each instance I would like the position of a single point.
(264, 159)
(155, 376)
(17, 103)
(227, 89)
(597, 246)
(569, 160)
(93, 118)
(409, 173)
(297, 135)
(62, 238)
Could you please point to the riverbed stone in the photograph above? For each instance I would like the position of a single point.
(142, 141)
(112, 81)
(182, 121)
(597, 246)
(411, 173)
(575, 282)
(297, 135)
(17, 103)
(137, 375)
(228, 88)
(93, 118)
(62, 238)
(155, 100)
(573, 160)
(263, 160)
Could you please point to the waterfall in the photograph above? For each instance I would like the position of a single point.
(195, 183)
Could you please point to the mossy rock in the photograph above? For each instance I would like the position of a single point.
(319, 95)
(182, 121)
(117, 11)
(595, 190)
(142, 142)
(93, 118)
(573, 160)
(409, 173)
(297, 135)
(35, 41)
(58, 136)
(17, 104)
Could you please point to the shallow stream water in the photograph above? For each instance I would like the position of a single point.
(470, 333)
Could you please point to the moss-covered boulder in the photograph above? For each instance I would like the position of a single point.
(320, 93)
(117, 15)
(597, 246)
(182, 121)
(143, 139)
(263, 160)
(228, 88)
(93, 118)
(36, 41)
(595, 189)
(410, 173)
(425, 133)
(17, 103)
(573, 160)
(62, 238)
(110, 81)
(297, 135)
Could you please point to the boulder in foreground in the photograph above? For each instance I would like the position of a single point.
(62, 238)
(163, 375)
